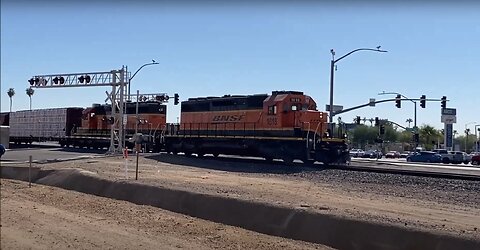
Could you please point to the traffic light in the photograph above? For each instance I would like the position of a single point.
(31, 81)
(382, 129)
(444, 102)
(398, 101)
(175, 99)
(357, 120)
(376, 121)
(416, 137)
(423, 101)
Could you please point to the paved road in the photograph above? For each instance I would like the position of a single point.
(44, 152)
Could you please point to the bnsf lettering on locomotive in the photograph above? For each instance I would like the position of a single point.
(228, 118)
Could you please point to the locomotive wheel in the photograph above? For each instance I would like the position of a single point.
(188, 154)
(269, 159)
(309, 162)
(200, 155)
(215, 155)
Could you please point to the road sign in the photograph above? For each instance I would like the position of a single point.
(336, 108)
(449, 111)
(449, 119)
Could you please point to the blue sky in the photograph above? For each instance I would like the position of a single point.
(212, 49)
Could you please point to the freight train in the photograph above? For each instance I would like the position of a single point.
(284, 125)
(83, 127)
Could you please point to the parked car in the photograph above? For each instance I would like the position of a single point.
(372, 154)
(476, 159)
(424, 156)
(356, 153)
(459, 157)
(447, 156)
(392, 154)
(404, 154)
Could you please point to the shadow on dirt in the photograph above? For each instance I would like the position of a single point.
(235, 164)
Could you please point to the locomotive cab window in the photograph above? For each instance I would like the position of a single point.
(272, 110)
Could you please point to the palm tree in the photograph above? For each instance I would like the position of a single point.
(30, 92)
(409, 120)
(428, 132)
(11, 93)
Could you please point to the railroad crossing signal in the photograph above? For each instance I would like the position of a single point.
(398, 101)
(423, 101)
(444, 102)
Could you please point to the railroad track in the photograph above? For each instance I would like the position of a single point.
(425, 170)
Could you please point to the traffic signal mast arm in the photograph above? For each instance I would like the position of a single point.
(381, 101)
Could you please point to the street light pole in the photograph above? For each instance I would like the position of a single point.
(466, 134)
(476, 138)
(332, 66)
(130, 79)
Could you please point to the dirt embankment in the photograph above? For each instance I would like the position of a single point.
(44, 217)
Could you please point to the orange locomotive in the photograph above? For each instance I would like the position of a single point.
(94, 131)
(284, 125)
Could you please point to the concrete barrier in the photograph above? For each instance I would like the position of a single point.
(337, 232)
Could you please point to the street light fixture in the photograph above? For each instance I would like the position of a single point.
(134, 74)
(332, 66)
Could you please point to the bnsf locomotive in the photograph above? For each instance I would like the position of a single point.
(284, 125)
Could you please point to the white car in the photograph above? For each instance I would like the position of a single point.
(356, 153)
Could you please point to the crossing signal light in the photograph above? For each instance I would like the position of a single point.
(85, 79)
(357, 120)
(444, 102)
(423, 101)
(160, 98)
(175, 99)
(59, 80)
(398, 101)
(376, 121)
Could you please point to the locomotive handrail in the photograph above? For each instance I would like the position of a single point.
(308, 132)
(314, 139)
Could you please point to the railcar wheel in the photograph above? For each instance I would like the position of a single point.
(215, 155)
(269, 159)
